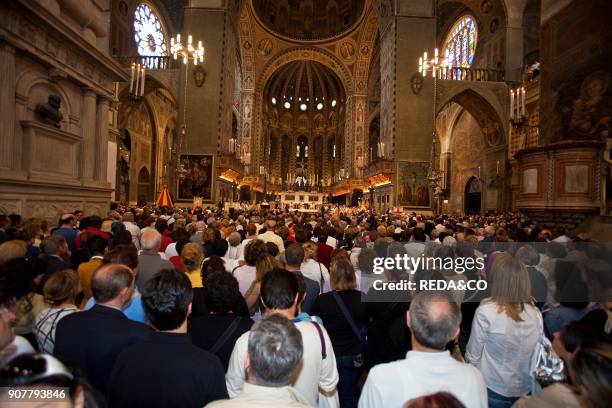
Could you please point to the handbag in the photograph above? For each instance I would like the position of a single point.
(547, 366)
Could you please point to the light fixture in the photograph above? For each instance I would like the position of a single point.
(303, 107)
(287, 105)
(333, 103)
(440, 69)
(319, 106)
(188, 53)
(273, 101)
(518, 113)
(137, 80)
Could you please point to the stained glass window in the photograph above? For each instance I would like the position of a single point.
(461, 42)
(149, 33)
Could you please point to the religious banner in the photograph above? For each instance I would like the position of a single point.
(412, 184)
(197, 180)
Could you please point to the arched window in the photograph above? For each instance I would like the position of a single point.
(461, 42)
(149, 33)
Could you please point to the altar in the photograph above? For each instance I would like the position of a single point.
(302, 199)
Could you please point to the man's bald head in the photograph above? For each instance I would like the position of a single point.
(108, 282)
(128, 216)
(434, 319)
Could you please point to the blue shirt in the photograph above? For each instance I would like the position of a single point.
(70, 235)
(133, 310)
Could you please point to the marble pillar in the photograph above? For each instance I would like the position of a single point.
(88, 134)
(102, 138)
(7, 105)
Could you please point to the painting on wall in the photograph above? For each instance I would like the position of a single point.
(576, 177)
(584, 107)
(530, 181)
(198, 177)
(413, 187)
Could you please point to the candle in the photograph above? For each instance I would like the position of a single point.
(142, 81)
(511, 104)
(132, 78)
(479, 172)
(136, 80)
(497, 168)
(523, 111)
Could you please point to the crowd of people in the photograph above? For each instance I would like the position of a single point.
(160, 307)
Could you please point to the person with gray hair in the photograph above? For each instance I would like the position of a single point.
(55, 249)
(150, 261)
(235, 250)
(433, 320)
(275, 351)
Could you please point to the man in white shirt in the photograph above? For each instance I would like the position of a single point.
(275, 351)
(358, 244)
(318, 374)
(428, 368)
(270, 236)
(128, 221)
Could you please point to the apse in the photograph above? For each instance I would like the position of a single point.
(309, 19)
(304, 109)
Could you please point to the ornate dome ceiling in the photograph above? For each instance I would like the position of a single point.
(305, 86)
(308, 19)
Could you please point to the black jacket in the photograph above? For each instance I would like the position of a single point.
(92, 340)
(166, 371)
(54, 264)
(312, 292)
(207, 329)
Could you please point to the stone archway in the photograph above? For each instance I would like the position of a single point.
(144, 190)
(473, 196)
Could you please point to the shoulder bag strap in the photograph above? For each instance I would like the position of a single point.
(226, 335)
(323, 349)
(321, 274)
(347, 315)
(234, 270)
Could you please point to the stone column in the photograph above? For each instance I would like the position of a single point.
(311, 158)
(412, 32)
(325, 174)
(102, 139)
(349, 137)
(514, 40)
(292, 159)
(7, 105)
(88, 133)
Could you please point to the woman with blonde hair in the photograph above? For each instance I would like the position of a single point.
(505, 331)
(192, 256)
(312, 269)
(344, 316)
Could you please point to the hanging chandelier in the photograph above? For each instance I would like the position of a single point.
(188, 53)
(440, 68)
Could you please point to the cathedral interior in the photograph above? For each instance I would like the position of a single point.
(443, 106)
